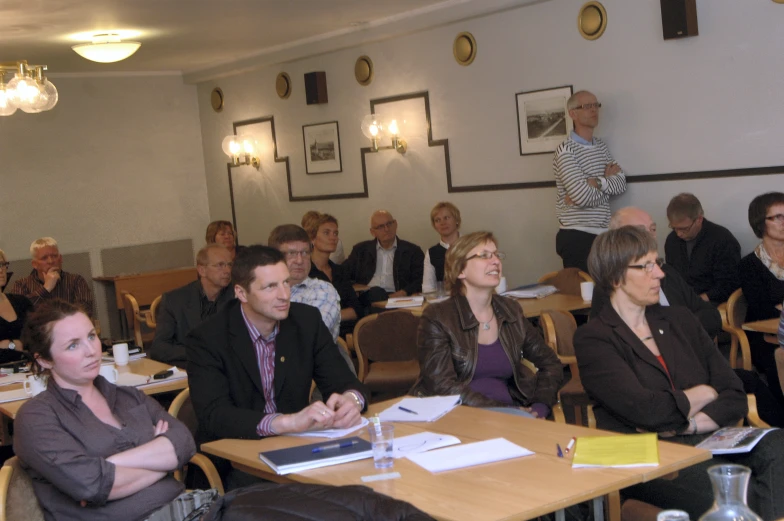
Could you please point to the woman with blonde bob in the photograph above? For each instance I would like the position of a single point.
(445, 219)
(474, 343)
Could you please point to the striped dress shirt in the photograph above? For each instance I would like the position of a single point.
(265, 357)
(71, 288)
(574, 163)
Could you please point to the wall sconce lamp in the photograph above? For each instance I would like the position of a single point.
(374, 129)
(243, 150)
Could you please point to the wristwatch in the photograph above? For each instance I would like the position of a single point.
(11, 345)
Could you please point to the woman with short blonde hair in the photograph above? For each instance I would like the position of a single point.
(445, 219)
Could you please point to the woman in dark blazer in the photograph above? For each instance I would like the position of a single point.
(654, 369)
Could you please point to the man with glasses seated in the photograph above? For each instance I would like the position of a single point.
(586, 175)
(185, 308)
(705, 254)
(390, 266)
(48, 280)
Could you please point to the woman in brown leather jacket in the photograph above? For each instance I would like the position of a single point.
(474, 343)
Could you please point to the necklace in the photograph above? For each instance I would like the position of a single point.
(486, 325)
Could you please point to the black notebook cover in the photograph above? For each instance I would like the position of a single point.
(296, 459)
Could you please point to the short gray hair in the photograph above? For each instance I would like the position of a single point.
(43, 242)
(573, 102)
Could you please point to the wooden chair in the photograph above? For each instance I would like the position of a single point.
(182, 409)
(385, 345)
(135, 319)
(151, 314)
(558, 329)
(566, 280)
(733, 316)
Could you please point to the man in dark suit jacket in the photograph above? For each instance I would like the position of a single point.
(388, 262)
(675, 290)
(184, 308)
(250, 366)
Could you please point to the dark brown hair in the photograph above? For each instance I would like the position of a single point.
(613, 251)
(287, 233)
(684, 205)
(250, 258)
(758, 210)
(456, 257)
(37, 332)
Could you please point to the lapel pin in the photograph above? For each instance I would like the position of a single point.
(282, 358)
(661, 332)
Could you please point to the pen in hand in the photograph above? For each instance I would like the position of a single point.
(330, 446)
(407, 410)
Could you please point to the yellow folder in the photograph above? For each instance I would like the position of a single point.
(625, 450)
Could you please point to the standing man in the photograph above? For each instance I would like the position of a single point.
(388, 262)
(586, 176)
(48, 280)
(250, 366)
(184, 308)
(705, 254)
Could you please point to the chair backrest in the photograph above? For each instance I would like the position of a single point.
(736, 308)
(131, 308)
(152, 318)
(182, 409)
(17, 496)
(566, 280)
(385, 337)
(558, 329)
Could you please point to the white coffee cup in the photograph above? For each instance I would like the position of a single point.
(109, 372)
(586, 290)
(34, 384)
(120, 352)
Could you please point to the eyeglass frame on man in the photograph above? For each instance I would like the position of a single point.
(779, 218)
(588, 106)
(385, 226)
(487, 255)
(683, 229)
(289, 255)
(648, 266)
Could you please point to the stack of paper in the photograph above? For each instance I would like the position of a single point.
(421, 442)
(531, 291)
(405, 302)
(625, 450)
(316, 455)
(420, 409)
(468, 455)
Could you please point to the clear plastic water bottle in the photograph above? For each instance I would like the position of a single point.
(730, 483)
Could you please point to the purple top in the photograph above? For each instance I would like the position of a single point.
(493, 373)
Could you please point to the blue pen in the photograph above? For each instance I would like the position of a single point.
(342, 445)
(407, 410)
(560, 452)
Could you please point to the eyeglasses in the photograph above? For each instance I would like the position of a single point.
(221, 265)
(487, 255)
(648, 266)
(4, 265)
(385, 226)
(683, 229)
(588, 106)
(779, 218)
(294, 254)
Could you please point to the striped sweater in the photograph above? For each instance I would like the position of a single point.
(574, 164)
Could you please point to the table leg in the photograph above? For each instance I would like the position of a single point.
(598, 509)
(560, 515)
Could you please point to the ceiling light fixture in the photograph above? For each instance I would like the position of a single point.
(29, 89)
(106, 48)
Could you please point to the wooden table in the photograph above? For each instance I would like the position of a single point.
(532, 307)
(517, 489)
(143, 366)
(769, 326)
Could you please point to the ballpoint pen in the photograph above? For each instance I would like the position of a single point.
(558, 448)
(407, 410)
(342, 445)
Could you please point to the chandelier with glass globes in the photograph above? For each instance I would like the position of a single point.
(28, 89)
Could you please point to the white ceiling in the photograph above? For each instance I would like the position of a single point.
(200, 37)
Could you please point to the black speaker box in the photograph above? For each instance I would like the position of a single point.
(316, 87)
(679, 18)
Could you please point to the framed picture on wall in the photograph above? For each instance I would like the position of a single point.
(542, 119)
(322, 148)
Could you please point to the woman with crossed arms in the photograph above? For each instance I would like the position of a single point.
(654, 369)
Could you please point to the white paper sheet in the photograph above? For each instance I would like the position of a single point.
(421, 442)
(331, 433)
(469, 454)
(405, 302)
(12, 396)
(424, 409)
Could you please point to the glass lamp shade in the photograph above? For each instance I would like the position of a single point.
(106, 52)
(231, 145)
(51, 95)
(24, 93)
(372, 126)
(6, 106)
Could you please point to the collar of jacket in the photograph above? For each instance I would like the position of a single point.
(500, 308)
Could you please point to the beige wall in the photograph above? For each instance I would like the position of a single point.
(117, 162)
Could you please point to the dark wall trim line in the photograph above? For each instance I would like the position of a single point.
(706, 174)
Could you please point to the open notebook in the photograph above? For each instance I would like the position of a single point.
(420, 409)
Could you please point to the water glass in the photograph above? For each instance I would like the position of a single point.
(382, 438)
(672, 515)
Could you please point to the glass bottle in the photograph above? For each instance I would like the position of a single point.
(672, 515)
(730, 483)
